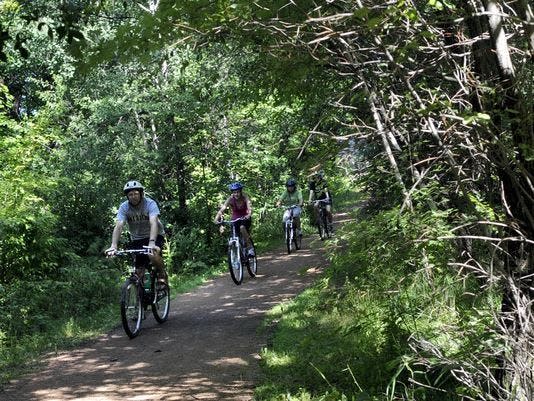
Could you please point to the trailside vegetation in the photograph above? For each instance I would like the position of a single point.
(425, 107)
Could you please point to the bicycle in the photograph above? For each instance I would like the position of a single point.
(291, 234)
(237, 256)
(323, 226)
(138, 293)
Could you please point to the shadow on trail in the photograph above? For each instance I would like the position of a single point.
(207, 350)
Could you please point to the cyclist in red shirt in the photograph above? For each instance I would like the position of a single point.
(241, 207)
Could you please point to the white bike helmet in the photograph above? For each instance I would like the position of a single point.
(132, 185)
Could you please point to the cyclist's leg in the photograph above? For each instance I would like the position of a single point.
(285, 217)
(329, 215)
(245, 235)
(244, 228)
(296, 222)
(157, 260)
(316, 213)
(322, 205)
(141, 261)
(296, 219)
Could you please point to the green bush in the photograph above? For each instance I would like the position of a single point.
(28, 244)
(189, 251)
(37, 306)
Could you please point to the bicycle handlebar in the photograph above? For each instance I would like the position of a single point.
(228, 222)
(290, 207)
(145, 251)
(321, 201)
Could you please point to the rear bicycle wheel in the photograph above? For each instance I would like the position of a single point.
(252, 262)
(297, 239)
(161, 302)
(234, 263)
(131, 307)
(321, 225)
(318, 223)
(324, 225)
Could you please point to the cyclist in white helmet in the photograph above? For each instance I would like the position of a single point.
(141, 213)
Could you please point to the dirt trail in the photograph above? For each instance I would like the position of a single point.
(207, 350)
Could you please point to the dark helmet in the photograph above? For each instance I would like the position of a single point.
(130, 185)
(235, 186)
(291, 183)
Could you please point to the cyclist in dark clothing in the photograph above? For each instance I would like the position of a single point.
(319, 191)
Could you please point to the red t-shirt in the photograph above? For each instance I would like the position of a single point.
(239, 209)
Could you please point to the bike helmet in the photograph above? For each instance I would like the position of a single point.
(235, 186)
(130, 185)
(291, 183)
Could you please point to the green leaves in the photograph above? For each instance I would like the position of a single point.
(477, 119)
(440, 5)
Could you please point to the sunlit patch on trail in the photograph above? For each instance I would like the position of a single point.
(228, 362)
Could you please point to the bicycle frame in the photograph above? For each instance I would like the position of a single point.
(237, 259)
(289, 229)
(322, 220)
(289, 223)
(133, 269)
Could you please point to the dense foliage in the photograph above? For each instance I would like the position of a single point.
(424, 105)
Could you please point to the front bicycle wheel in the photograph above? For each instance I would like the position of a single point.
(289, 238)
(161, 302)
(131, 307)
(252, 262)
(234, 263)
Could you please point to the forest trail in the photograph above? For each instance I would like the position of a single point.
(207, 350)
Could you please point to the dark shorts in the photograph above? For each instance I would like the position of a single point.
(247, 223)
(142, 260)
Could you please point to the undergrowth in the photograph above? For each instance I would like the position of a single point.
(370, 329)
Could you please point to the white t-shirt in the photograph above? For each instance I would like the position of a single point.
(138, 217)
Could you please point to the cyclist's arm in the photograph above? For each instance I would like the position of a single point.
(219, 214)
(300, 199)
(311, 186)
(154, 230)
(117, 231)
(281, 199)
(327, 192)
